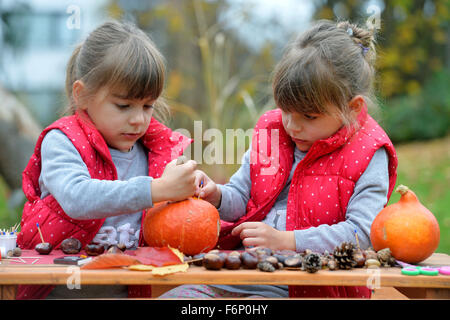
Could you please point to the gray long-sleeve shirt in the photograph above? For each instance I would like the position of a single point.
(120, 202)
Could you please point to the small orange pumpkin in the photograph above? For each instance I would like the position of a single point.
(192, 226)
(408, 228)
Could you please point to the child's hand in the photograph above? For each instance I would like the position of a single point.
(176, 183)
(209, 191)
(259, 234)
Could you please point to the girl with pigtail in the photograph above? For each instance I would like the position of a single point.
(94, 172)
(333, 171)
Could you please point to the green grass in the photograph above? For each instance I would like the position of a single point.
(423, 167)
(8, 217)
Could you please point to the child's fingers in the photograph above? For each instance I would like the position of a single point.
(201, 178)
(207, 189)
(248, 233)
(191, 164)
(172, 163)
(252, 242)
(245, 225)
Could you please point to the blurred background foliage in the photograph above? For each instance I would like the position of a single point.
(218, 75)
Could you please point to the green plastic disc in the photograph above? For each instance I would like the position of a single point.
(410, 271)
(429, 271)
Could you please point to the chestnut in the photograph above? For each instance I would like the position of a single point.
(223, 256)
(359, 257)
(212, 261)
(233, 262)
(293, 262)
(17, 252)
(115, 249)
(266, 266)
(249, 260)
(43, 248)
(235, 253)
(263, 251)
(94, 249)
(71, 246)
(272, 260)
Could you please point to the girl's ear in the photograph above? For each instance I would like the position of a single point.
(78, 89)
(357, 103)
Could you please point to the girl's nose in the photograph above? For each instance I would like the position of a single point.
(293, 126)
(137, 118)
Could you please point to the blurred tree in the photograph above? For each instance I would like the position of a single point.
(413, 40)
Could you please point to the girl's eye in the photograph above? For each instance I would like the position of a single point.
(310, 117)
(148, 106)
(122, 106)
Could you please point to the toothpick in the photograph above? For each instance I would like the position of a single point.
(40, 233)
(34, 261)
(201, 186)
(14, 260)
(357, 240)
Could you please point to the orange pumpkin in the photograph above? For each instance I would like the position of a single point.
(408, 228)
(192, 226)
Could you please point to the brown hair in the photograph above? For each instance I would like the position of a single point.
(118, 56)
(330, 63)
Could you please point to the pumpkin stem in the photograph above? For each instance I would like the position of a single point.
(402, 189)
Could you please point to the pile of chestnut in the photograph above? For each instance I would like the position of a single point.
(73, 246)
(264, 259)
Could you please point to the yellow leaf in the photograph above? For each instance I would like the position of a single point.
(161, 271)
(177, 252)
(141, 267)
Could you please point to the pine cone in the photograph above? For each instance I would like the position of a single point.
(343, 255)
(385, 257)
(312, 262)
(371, 254)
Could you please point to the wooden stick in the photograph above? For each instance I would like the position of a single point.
(193, 260)
(357, 240)
(201, 186)
(40, 233)
(14, 260)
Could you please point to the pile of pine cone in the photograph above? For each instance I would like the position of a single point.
(345, 256)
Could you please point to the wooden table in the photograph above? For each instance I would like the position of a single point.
(411, 286)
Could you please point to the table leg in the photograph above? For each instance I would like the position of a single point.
(158, 290)
(425, 293)
(8, 292)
